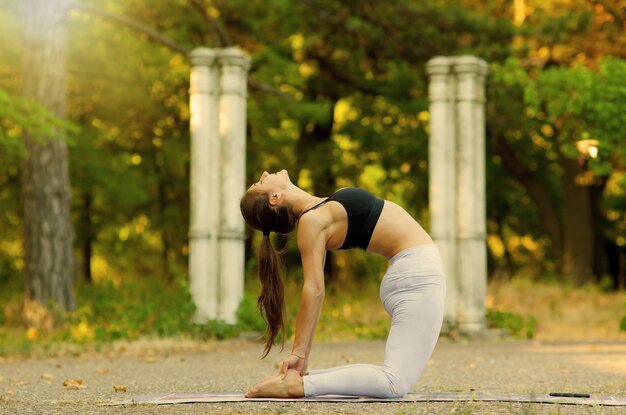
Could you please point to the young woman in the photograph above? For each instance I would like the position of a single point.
(412, 290)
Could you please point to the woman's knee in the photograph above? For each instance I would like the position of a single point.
(400, 384)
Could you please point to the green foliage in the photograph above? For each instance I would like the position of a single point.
(379, 330)
(622, 324)
(14, 345)
(214, 330)
(134, 309)
(540, 114)
(19, 116)
(248, 315)
(11, 120)
(515, 324)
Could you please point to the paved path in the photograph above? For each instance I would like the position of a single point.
(35, 386)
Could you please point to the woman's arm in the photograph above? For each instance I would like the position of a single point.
(312, 246)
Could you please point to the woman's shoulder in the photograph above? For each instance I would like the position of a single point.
(318, 219)
(312, 229)
(313, 219)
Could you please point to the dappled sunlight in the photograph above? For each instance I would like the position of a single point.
(102, 271)
(304, 180)
(496, 245)
(344, 112)
(82, 332)
(14, 250)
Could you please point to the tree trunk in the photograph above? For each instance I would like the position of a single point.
(166, 273)
(88, 235)
(539, 194)
(578, 235)
(46, 192)
(598, 221)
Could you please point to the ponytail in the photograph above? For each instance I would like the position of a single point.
(258, 213)
(271, 301)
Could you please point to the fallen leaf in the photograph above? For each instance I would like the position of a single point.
(73, 384)
(150, 359)
(102, 370)
(120, 388)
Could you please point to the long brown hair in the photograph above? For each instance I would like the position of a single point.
(258, 213)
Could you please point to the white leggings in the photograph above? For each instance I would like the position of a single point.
(412, 292)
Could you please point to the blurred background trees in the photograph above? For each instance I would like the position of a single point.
(338, 97)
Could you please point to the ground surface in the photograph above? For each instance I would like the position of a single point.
(35, 386)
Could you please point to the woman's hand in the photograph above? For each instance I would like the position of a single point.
(294, 362)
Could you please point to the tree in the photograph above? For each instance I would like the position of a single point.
(46, 192)
(535, 121)
(564, 88)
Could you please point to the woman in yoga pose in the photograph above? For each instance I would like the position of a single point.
(412, 290)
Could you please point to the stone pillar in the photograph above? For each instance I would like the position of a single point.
(442, 179)
(471, 220)
(233, 84)
(457, 184)
(204, 186)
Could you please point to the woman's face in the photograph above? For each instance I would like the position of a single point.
(271, 182)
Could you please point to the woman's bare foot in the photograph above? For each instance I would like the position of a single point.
(292, 386)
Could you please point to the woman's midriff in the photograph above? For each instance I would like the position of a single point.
(395, 231)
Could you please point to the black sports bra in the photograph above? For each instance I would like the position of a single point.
(363, 209)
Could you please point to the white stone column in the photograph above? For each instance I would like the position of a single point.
(204, 185)
(442, 179)
(233, 82)
(471, 220)
(457, 184)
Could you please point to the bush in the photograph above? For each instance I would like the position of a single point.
(515, 324)
(136, 308)
(249, 316)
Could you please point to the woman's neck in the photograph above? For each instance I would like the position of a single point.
(301, 201)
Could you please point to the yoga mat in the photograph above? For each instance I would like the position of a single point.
(206, 397)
